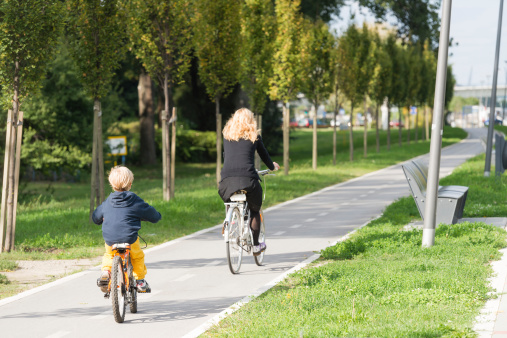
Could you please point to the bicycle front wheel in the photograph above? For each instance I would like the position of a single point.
(133, 289)
(118, 291)
(233, 245)
(262, 238)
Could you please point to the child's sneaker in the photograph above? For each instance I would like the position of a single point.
(143, 286)
(103, 280)
(258, 249)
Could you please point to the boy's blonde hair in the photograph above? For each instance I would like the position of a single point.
(121, 178)
(241, 125)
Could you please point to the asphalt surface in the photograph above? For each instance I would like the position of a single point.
(190, 278)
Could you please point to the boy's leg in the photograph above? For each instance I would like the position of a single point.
(137, 258)
(107, 259)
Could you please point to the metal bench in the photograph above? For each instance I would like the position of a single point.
(451, 199)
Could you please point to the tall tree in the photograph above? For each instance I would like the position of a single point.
(98, 40)
(380, 83)
(413, 79)
(418, 20)
(321, 9)
(431, 69)
(217, 37)
(353, 72)
(396, 94)
(29, 29)
(160, 35)
(258, 33)
(317, 70)
(286, 63)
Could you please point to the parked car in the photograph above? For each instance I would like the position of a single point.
(498, 121)
(396, 124)
(293, 123)
(304, 123)
(320, 123)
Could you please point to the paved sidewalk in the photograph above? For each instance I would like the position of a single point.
(189, 276)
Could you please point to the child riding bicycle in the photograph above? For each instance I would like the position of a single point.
(121, 215)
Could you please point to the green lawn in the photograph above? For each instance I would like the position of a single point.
(381, 283)
(55, 220)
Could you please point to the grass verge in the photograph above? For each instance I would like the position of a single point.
(381, 283)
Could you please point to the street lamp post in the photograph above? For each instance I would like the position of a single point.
(489, 145)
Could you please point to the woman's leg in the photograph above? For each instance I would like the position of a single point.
(255, 225)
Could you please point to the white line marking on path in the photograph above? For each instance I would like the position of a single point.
(58, 334)
(354, 199)
(279, 233)
(295, 226)
(322, 214)
(371, 191)
(310, 220)
(346, 203)
(102, 315)
(213, 263)
(184, 278)
(363, 195)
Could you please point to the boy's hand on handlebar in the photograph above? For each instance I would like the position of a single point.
(276, 166)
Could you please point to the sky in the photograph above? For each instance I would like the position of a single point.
(474, 26)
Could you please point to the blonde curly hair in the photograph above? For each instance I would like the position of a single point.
(241, 125)
(121, 178)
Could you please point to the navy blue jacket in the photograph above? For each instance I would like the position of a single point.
(121, 215)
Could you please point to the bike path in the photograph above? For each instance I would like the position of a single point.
(190, 278)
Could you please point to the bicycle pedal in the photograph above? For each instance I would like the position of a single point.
(106, 295)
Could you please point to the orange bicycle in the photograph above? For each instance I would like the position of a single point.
(122, 286)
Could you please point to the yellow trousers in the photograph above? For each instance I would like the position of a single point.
(136, 257)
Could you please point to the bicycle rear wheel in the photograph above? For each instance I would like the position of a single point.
(118, 291)
(133, 288)
(262, 238)
(233, 245)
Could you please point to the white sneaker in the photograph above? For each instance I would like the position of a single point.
(258, 249)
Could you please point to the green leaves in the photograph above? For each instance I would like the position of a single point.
(28, 33)
(217, 44)
(258, 34)
(318, 61)
(160, 36)
(288, 51)
(98, 39)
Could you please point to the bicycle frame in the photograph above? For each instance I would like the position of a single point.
(246, 232)
(123, 251)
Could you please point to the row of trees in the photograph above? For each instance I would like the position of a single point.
(274, 51)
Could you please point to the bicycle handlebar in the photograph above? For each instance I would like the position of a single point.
(263, 172)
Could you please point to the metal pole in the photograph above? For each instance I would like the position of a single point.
(436, 128)
(504, 96)
(489, 145)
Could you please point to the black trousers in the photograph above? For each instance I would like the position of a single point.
(228, 186)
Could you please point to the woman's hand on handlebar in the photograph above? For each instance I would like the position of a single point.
(276, 166)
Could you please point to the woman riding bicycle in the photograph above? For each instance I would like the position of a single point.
(241, 140)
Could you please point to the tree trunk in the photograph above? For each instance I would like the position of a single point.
(408, 124)
(416, 129)
(146, 120)
(167, 166)
(377, 137)
(93, 175)
(165, 170)
(400, 113)
(5, 182)
(219, 137)
(160, 106)
(426, 124)
(173, 152)
(365, 133)
(388, 126)
(334, 138)
(314, 139)
(100, 153)
(351, 135)
(286, 113)
(19, 128)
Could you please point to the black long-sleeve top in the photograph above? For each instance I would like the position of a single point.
(239, 158)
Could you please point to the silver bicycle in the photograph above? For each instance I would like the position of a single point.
(236, 230)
